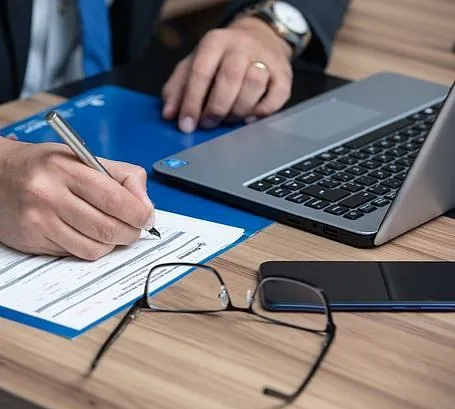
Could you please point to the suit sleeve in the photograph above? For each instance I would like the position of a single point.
(325, 17)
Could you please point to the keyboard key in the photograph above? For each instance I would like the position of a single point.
(384, 158)
(327, 156)
(393, 183)
(420, 140)
(397, 152)
(332, 195)
(379, 133)
(370, 164)
(384, 144)
(352, 187)
(402, 176)
(343, 177)
(357, 200)
(336, 209)
(278, 191)
(413, 155)
(399, 137)
(289, 173)
(405, 162)
(317, 204)
(309, 178)
(393, 168)
(275, 179)
(371, 150)
(379, 190)
(410, 146)
(336, 165)
(260, 186)
(356, 170)
(328, 183)
(298, 198)
(307, 164)
(359, 155)
(366, 180)
(411, 131)
(325, 171)
(368, 208)
(417, 116)
(380, 202)
(292, 185)
(353, 214)
(391, 195)
(340, 150)
(348, 160)
(380, 174)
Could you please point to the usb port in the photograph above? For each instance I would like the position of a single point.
(330, 231)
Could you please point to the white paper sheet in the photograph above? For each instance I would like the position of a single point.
(76, 293)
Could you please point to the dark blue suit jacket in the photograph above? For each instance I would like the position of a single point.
(133, 23)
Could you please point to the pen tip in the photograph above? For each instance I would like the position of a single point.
(154, 232)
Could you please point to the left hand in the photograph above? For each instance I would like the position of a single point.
(219, 80)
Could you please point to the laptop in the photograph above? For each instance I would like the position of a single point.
(361, 164)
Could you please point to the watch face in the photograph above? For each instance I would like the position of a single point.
(290, 17)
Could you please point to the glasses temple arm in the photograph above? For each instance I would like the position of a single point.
(289, 398)
(118, 330)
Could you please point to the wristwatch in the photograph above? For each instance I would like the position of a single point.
(286, 20)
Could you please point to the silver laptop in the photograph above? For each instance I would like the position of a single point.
(361, 164)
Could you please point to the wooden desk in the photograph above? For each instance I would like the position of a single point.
(393, 361)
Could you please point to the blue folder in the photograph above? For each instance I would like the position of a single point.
(120, 124)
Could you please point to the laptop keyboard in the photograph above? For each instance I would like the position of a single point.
(358, 177)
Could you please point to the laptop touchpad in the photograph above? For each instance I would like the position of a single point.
(325, 120)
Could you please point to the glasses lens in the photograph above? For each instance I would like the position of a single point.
(291, 302)
(195, 289)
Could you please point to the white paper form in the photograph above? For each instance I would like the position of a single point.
(75, 294)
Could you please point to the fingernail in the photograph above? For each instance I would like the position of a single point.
(210, 122)
(167, 110)
(251, 119)
(187, 125)
(150, 222)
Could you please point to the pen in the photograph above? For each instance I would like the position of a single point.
(77, 145)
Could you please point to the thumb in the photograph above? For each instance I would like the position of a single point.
(131, 177)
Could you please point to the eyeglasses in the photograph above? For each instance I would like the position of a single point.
(213, 297)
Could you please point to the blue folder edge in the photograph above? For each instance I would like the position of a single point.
(114, 122)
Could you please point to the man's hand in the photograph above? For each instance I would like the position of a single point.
(220, 80)
(51, 203)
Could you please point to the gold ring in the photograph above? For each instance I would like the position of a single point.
(260, 65)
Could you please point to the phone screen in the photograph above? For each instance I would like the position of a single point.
(370, 286)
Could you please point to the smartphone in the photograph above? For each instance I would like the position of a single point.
(363, 285)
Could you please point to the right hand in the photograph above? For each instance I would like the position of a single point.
(51, 203)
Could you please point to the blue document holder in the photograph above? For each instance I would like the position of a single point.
(124, 125)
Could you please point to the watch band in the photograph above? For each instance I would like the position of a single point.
(264, 11)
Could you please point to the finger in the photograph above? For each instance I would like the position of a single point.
(50, 248)
(110, 197)
(173, 89)
(76, 243)
(253, 88)
(204, 65)
(225, 90)
(278, 93)
(94, 224)
(131, 177)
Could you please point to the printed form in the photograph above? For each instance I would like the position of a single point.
(75, 294)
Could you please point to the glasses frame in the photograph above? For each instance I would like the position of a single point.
(143, 305)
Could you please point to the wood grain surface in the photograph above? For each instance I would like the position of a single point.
(416, 37)
(393, 361)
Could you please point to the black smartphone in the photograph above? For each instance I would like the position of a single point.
(363, 285)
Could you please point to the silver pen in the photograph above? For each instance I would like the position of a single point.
(77, 145)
